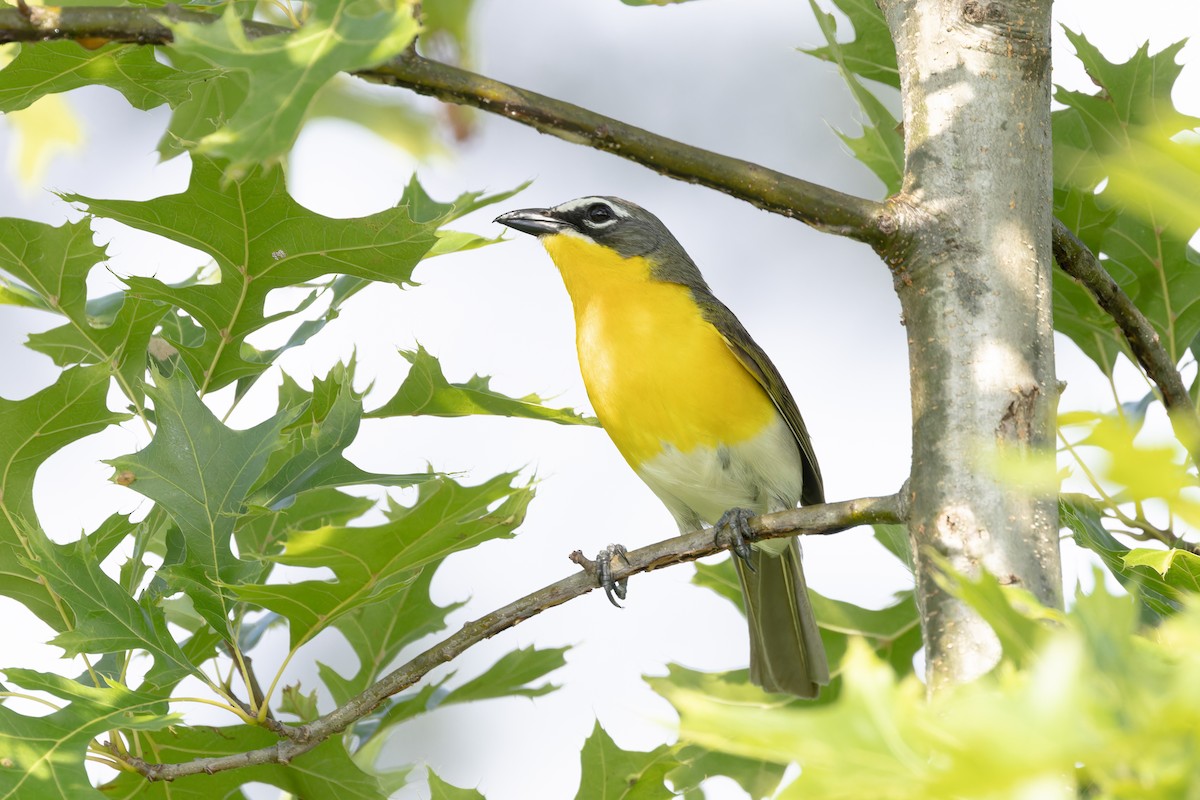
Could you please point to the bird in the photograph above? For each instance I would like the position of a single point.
(696, 408)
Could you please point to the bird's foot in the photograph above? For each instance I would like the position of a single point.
(735, 524)
(602, 568)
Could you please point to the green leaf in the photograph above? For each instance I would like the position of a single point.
(880, 147)
(426, 391)
(871, 53)
(211, 103)
(610, 773)
(43, 757)
(510, 676)
(106, 618)
(1122, 182)
(379, 631)
(440, 790)
(54, 263)
(261, 239)
(300, 705)
(425, 209)
(1010, 611)
(722, 579)
(1082, 516)
(263, 531)
(53, 67)
(389, 116)
(311, 457)
(371, 564)
(1113, 713)
(758, 778)
(895, 539)
(32, 430)
(121, 343)
(324, 772)
(1180, 568)
(285, 71)
(200, 472)
(894, 632)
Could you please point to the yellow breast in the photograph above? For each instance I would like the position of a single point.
(656, 371)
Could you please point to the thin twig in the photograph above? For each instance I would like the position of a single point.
(809, 521)
(1075, 259)
(819, 206)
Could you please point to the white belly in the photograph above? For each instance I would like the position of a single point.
(762, 474)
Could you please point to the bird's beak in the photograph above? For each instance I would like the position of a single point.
(534, 221)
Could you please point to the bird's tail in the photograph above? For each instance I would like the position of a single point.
(786, 653)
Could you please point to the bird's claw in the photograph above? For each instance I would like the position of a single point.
(736, 522)
(604, 573)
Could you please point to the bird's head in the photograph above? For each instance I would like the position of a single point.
(596, 225)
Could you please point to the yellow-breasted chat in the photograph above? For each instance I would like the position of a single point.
(695, 406)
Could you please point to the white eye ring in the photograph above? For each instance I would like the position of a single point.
(599, 214)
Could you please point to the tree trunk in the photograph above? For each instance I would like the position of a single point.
(972, 269)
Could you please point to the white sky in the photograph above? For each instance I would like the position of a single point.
(821, 306)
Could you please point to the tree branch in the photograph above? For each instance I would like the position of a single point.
(807, 521)
(821, 207)
(1075, 259)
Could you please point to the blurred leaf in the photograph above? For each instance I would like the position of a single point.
(426, 391)
(210, 103)
(324, 772)
(39, 133)
(610, 773)
(47, 68)
(448, 16)
(1180, 568)
(261, 239)
(1002, 609)
(871, 53)
(880, 147)
(510, 676)
(200, 472)
(1146, 472)
(440, 790)
(371, 564)
(385, 114)
(44, 756)
(285, 71)
(32, 430)
(758, 777)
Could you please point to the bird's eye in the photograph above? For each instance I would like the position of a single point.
(599, 213)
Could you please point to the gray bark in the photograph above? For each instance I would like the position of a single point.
(972, 269)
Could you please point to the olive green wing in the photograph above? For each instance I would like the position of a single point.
(759, 365)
